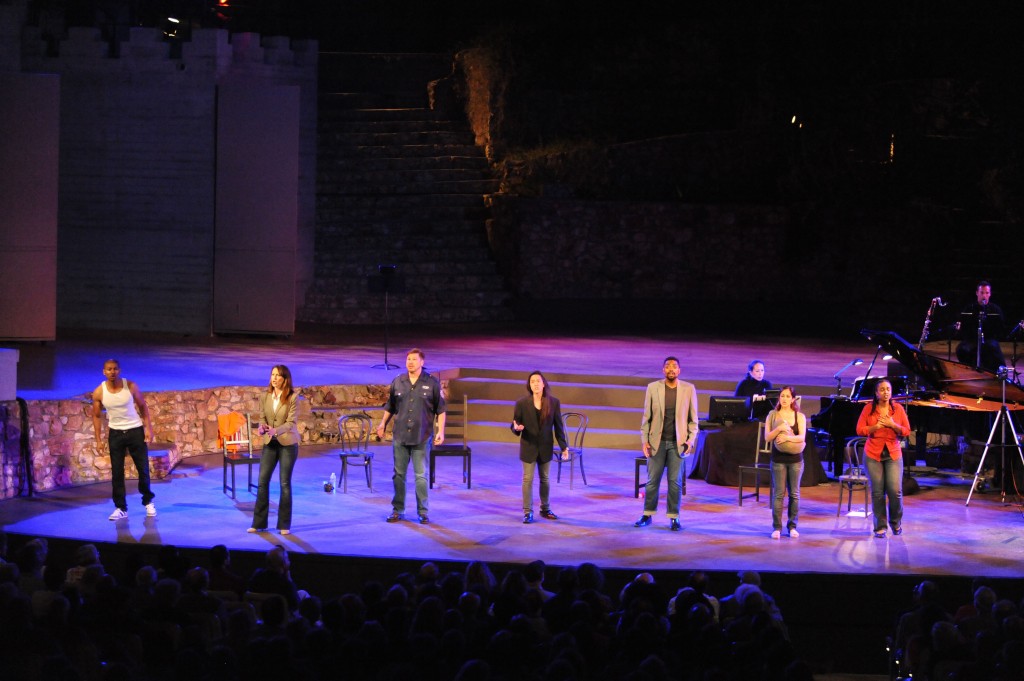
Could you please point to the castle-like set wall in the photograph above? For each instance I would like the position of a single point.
(63, 443)
(136, 213)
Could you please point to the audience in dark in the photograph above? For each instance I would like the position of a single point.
(433, 624)
(980, 641)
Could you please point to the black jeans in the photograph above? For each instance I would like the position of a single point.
(129, 443)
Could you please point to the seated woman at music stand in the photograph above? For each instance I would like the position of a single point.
(884, 423)
(753, 387)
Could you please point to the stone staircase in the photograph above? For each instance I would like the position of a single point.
(614, 404)
(398, 184)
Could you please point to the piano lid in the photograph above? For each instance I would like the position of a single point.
(967, 386)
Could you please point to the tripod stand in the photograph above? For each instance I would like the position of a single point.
(387, 282)
(1002, 419)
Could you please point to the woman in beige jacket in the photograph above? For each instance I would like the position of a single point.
(277, 425)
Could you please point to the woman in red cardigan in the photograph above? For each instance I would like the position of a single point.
(884, 423)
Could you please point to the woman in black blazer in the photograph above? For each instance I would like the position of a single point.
(537, 422)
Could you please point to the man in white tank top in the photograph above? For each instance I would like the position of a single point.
(127, 422)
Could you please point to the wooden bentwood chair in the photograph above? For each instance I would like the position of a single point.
(853, 475)
(575, 425)
(354, 432)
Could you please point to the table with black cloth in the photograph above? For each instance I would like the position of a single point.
(720, 450)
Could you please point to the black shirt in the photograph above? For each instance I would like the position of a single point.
(414, 407)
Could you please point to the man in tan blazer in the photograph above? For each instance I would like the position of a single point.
(668, 431)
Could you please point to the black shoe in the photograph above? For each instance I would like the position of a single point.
(644, 521)
(424, 520)
(395, 517)
(674, 525)
(527, 517)
(898, 530)
(548, 514)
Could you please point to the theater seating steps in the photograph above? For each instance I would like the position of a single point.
(403, 185)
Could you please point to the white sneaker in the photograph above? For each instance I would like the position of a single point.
(118, 514)
(776, 534)
(793, 534)
(150, 509)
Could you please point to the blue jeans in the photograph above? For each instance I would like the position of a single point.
(418, 454)
(886, 481)
(545, 485)
(274, 452)
(786, 477)
(122, 443)
(667, 456)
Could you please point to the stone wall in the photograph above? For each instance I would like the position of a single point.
(62, 440)
(138, 145)
(731, 268)
(648, 265)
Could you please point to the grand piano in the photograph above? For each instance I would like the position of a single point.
(940, 396)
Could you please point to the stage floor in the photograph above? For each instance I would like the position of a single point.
(71, 366)
(942, 536)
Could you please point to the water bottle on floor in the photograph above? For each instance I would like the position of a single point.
(334, 483)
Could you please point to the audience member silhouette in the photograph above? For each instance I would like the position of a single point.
(222, 577)
(275, 578)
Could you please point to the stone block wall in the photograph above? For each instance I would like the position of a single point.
(735, 268)
(136, 207)
(651, 265)
(62, 440)
(12, 16)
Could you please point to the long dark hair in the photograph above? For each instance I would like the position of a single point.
(286, 374)
(874, 400)
(794, 405)
(545, 398)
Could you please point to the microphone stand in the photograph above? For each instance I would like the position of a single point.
(837, 376)
(387, 273)
(981, 338)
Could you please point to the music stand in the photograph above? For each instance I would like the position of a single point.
(386, 282)
(761, 408)
(1001, 420)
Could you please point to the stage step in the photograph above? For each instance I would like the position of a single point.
(597, 438)
(614, 404)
